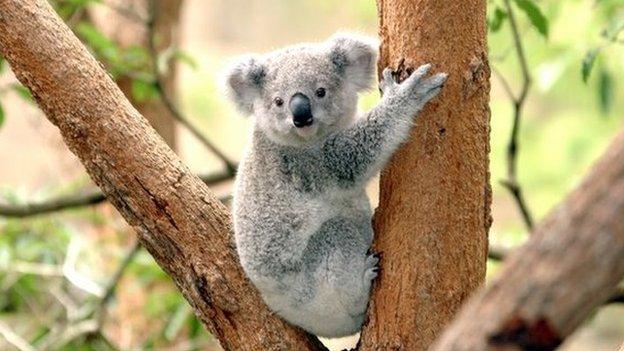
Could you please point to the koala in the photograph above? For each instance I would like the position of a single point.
(302, 219)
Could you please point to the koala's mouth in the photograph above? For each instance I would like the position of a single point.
(307, 131)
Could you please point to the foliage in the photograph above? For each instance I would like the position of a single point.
(533, 12)
(574, 52)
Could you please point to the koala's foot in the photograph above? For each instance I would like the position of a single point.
(372, 267)
(416, 87)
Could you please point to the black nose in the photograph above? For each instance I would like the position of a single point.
(301, 110)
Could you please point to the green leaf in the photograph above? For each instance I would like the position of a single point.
(537, 18)
(186, 58)
(143, 91)
(605, 91)
(613, 29)
(1, 115)
(99, 43)
(588, 63)
(2, 64)
(23, 92)
(496, 22)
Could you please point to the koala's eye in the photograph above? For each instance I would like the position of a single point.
(278, 101)
(320, 92)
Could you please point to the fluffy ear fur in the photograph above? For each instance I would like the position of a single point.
(355, 57)
(244, 82)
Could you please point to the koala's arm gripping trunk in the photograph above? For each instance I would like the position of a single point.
(359, 152)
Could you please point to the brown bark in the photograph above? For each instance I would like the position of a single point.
(547, 288)
(434, 214)
(177, 218)
(128, 31)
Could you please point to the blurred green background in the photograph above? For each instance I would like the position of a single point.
(55, 269)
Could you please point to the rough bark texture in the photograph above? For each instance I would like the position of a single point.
(177, 218)
(546, 289)
(434, 213)
(128, 31)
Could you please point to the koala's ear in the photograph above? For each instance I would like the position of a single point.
(355, 57)
(244, 82)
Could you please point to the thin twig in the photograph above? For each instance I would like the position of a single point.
(511, 183)
(497, 253)
(166, 99)
(59, 204)
(33, 268)
(79, 200)
(114, 282)
(17, 341)
(505, 84)
(121, 269)
(125, 11)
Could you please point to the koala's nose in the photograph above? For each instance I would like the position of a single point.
(301, 110)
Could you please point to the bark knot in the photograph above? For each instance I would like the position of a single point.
(521, 334)
(161, 205)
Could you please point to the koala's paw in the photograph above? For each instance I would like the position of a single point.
(372, 267)
(416, 87)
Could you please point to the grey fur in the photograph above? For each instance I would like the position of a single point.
(301, 215)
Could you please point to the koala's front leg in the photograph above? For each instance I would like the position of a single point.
(359, 152)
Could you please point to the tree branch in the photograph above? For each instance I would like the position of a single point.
(116, 278)
(573, 263)
(511, 183)
(17, 341)
(81, 200)
(177, 218)
(499, 253)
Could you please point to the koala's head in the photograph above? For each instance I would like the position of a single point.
(302, 93)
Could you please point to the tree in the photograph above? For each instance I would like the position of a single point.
(432, 223)
(571, 270)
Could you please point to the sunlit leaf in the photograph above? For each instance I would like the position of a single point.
(537, 18)
(614, 28)
(23, 92)
(99, 43)
(171, 54)
(496, 22)
(1, 115)
(605, 91)
(185, 57)
(143, 91)
(588, 63)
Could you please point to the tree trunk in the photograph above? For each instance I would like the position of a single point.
(434, 213)
(178, 220)
(572, 264)
(128, 31)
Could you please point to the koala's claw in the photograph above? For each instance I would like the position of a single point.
(431, 87)
(387, 81)
(372, 270)
(420, 72)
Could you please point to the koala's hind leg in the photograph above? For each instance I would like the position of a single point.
(344, 267)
